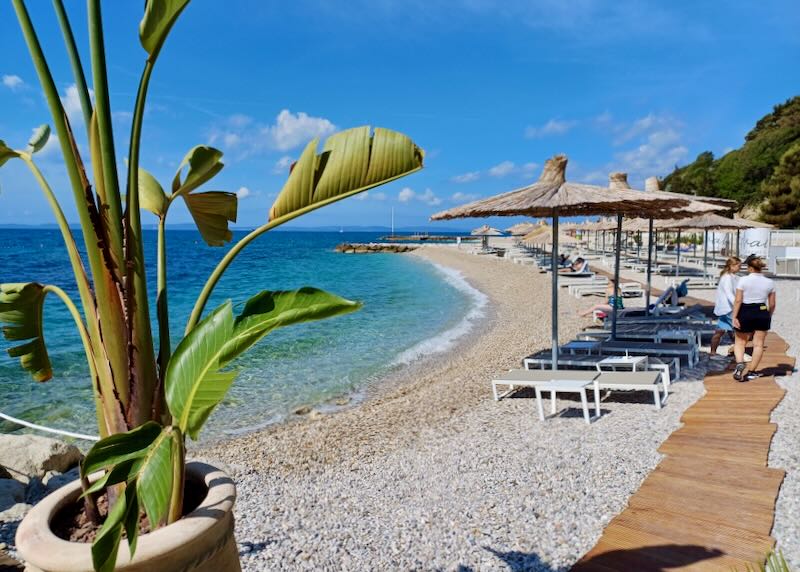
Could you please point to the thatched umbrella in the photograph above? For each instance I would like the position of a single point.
(698, 206)
(521, 228)
(708, 222)
(485, 232)
(553, 196)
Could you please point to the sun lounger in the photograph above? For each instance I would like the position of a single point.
(516, 378)
(689, 353)
(634, 381)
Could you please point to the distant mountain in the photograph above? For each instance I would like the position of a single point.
(741, 173)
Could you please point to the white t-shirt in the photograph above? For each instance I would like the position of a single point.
(755, 288)
(726, 294)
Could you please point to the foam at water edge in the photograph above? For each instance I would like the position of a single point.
(444, 341)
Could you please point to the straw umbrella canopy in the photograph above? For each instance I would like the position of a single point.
(553, 196)
(485, 232)
(708, 222)
(521, 228)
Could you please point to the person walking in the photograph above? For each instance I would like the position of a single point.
(752, 314)
(726, 296)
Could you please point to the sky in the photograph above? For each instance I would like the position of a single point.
(489, 89)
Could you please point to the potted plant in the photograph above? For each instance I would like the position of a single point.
(150, 398)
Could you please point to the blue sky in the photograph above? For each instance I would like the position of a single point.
(490, 90)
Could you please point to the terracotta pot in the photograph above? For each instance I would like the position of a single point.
(201, 541)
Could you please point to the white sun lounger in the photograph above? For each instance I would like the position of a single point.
(653, 381)
(516, 378)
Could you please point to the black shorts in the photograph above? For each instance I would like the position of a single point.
(754, 318)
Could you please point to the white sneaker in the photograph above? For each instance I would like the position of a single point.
(724, 350)
(748, 358)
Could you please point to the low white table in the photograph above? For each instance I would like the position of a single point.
(634, 363)
(568, 386)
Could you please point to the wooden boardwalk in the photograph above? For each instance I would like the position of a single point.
(710, 503)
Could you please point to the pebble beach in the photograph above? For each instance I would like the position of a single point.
(430, 473)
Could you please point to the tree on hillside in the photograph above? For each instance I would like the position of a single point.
(782, 191)
(741, 173)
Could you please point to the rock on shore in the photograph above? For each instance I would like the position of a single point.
(373, 247)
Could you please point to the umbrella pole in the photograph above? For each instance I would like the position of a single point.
(649, 268)
(705, 255)
(554, 315)
(616, 279)
(737, 244)
(678, 254)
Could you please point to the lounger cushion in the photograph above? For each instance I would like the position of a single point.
(629, 378)
(519, 376)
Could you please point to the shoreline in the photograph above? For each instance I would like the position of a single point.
(432, 473)
(408, 364)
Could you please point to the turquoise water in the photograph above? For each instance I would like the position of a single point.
(411, 308)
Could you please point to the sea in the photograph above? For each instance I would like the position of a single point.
(412, 309)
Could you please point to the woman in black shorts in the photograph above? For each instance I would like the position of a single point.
(752, 315)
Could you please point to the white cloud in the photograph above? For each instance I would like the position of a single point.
(243, 193)
(376, 196)
(122, 116)
(502, 169)
(460, 197)
(552, 127)
(604, 119)
(466, 177)
(529, 169)
(428, 197)
(231, 139)
(13, 82)
(239, 120)
(282, 165)
(405, 195)
(292, 130)
(72, 103)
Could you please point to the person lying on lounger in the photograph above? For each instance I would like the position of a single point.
(577, 266)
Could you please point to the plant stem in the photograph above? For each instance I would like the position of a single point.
(75, 62)
(142, 355)
(89, 502)
(178, 476)
(82, 281)
(110, 362)
(211, 282)
(162, 313)
(112, 198)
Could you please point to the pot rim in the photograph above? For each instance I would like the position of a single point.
(36, 541)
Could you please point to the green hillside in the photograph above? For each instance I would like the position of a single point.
(744, 174)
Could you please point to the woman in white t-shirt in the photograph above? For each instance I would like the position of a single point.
(752, 314)
(726, 296)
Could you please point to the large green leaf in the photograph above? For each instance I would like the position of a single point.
(39, 138)
(189, 397)
(194, 385)
(120, 447)
(151, 195)
(6, 153)
(159, 17)
(211, 212)
(123, 514)
(141, 458)
(203, 163)
(267, 311)
(351, 161)
(21, 307)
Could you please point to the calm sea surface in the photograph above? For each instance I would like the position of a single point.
(411, 308)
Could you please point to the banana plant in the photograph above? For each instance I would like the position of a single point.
(149, 397)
